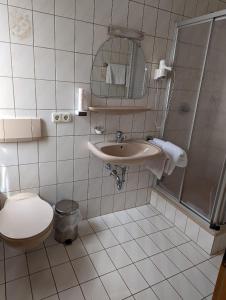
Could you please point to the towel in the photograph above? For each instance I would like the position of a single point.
(116, 74)
(177, 157)
(165, 163)
(157, 164)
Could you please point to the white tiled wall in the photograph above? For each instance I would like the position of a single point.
(46, 53)
(211, 242)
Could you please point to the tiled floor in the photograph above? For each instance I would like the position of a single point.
(132, 254)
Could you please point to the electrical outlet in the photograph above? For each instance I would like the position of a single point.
(56, 117)
(65, 117)
(61, 117)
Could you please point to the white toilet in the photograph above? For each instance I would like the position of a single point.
(25, 221)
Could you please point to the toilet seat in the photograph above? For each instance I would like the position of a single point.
(25, 216)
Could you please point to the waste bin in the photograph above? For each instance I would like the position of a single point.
(66, 219)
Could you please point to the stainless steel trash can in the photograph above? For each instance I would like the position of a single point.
(66, 219)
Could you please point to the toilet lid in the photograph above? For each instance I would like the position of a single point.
(24, 216)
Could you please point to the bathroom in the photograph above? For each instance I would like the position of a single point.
(139, 237)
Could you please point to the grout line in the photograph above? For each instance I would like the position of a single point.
(132, 263)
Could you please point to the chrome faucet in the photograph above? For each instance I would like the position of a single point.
(119, 136)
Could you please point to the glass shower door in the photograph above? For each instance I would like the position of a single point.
(188, 65)
(208, 141)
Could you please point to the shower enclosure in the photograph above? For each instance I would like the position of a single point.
(196, 116)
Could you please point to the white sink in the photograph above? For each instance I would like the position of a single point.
(127, 153)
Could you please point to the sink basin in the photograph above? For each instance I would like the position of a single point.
(127, 153)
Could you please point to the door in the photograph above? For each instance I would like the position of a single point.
(190, 53)
(208, 142)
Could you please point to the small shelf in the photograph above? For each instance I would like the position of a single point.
(119, 109)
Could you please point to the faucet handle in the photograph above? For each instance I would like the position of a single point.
(119, 133)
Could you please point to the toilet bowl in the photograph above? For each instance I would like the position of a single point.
(25, 221)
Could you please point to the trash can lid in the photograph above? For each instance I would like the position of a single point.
(66, 207)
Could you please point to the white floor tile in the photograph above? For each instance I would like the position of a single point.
(159, 222)
(149, 247)
(42, 284)
(1, 251)
(115, 286)
(71, 294)
(178, 259)
(111, 220)
(10, 252)
(76, 249)
(162, 262)
(37, 261)
(161, 241)
(97, 224)
(64, 276)
(84, 269)
(50, 241)
(210, 297)
(119, 256)
(84, 228)
(149, 271)
(134, 246)
(2, 272)
(202, 284)
(145, 295)
(134, 230)
(147, 211)
(209, 270)
(91, 243)
(191, 253)
(121, 234)
(2, 292)
(94, 290)
(174, 236)
(198, 248)
(54, 297)
(102, 262)
(107, 238)
(146, 226)
(135, 214)
(123, 217)
(216, 260)
(165, 291)
(16, 267)
(134, 251)
(18, 289)
(57, 254)
(133, 279)
(184, 288)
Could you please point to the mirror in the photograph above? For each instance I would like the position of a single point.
(119, 70)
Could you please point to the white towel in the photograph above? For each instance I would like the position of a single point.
(172, 157)
(116, 74)
(177, 157)
(157, 164)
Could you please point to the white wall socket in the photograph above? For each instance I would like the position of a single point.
(61, 117)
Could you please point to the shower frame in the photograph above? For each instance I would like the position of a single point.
(217, 218)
